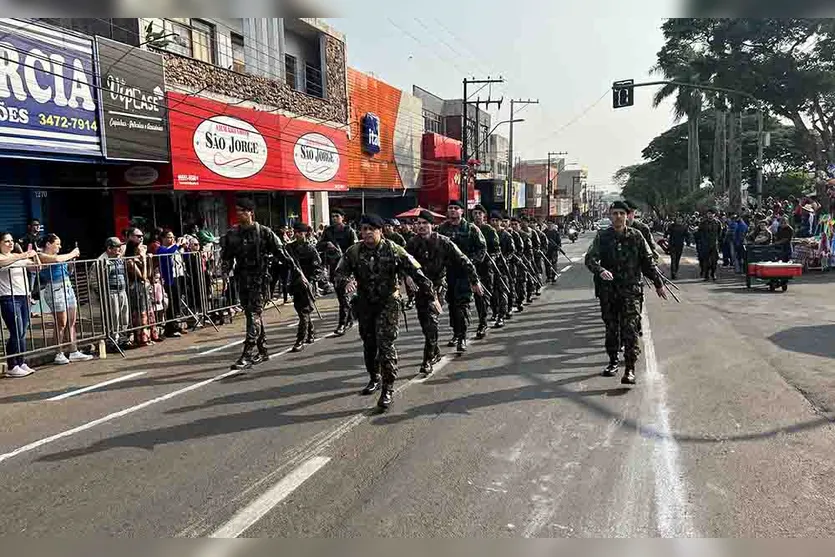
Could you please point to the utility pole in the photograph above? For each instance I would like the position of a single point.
(513, 103)
(550, 182)
(760, 140)
(465, 102)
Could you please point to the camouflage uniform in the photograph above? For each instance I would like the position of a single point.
(521, 275)
(647, 234)
(554, 242)
(626, 256)
(311, 265)
(250, 248)
(527, 258)
(710, 231)
(397, 238)
(486, 274)
(503, 300)
(334, 243)
(535, 257)
(377, 271)
(436, 254)
(459, 295)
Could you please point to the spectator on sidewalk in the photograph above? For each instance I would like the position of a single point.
(117, 290)
(138, 267)
(14, 302)
(32, 238)
(740, 232)
(58, 293)
(783, 237)
(170, 262)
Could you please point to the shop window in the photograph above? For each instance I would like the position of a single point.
(238, 58)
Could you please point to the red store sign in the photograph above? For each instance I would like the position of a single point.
(215, 146)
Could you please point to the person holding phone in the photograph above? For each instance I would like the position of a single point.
(14, 302)
(58, 293)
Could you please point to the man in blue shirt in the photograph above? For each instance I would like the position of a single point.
(740, 232)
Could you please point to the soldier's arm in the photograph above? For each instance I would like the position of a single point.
(344, 271)
(354, 238)
(226, 255)
(409, 266)
(479, 244)
(647, 263)
(456, 258)
(593, 256)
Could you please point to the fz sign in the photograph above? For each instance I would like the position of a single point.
(623, 93)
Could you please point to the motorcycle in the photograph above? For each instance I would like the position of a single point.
(572, 234)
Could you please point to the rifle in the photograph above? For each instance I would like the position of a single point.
(297, 267)
(548, 263)
(565, 254)
(524, 268)
(499, 274)
(532, 271)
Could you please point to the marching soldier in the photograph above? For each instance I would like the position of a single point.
(512, 226)
(436, 254)
(618, 256)
(524, 256)
(643, 229)
(554, 243)
(309, 271)
(377, 265)
(710, 231)
(678, 234)
(503, 299)
(389, 232)
(535, 256)
(335, 241)
(484, 301)
(459, 296)
(249, 246)
(406, 231)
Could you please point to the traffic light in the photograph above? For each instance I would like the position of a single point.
(623, 94)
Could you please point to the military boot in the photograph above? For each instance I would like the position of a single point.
(262, 356)
(386, 396)
(452, 341)
(426, 368)
(499, 323)
(340, 330)
(245, 361)
(311, 336)
(481, 332)
(373, 385)
(611, 369)
(462, 345)
(629, 376)
(520, 308)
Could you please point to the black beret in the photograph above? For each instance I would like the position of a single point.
(245, 203)
(496, 214)
(337, 211)
(631, 206)
(514, 219)
(301, 227)
(481, 208)
(371, 220)
(455, 203)
(426, 215)
(619, 206)
(393, 222)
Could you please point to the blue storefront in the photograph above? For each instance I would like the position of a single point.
(72, 108)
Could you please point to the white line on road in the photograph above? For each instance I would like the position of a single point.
(256, 510)
(219, 348)
(96, 386)
(671, 510)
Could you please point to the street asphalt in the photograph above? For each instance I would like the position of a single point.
(728, 433)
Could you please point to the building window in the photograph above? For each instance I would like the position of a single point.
(290, 69)
(187, 37)
(203, 41)
(238, 59)
(313, 80)
(432, 122)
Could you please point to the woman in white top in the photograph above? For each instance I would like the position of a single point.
(14, 302)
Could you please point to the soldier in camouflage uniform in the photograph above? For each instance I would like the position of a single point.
(535, 257)
(436, 255)
(503, 296)
(406, 230)
(390, 232)
(520, 272)
(524, 257)
(710, 231)
(335, 241)
(459, 296)
(552, 252)
(485, 269)
(618, 257)
(250, 246)
(310, 270)
(643, 229)
(377, 264)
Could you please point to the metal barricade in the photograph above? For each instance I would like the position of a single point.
(67, 315)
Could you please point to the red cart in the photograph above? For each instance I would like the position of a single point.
(762, 263)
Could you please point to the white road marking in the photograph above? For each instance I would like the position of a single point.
(96, 386)
(566, 268)
(256, 510)
(671, 511)
(219, 348)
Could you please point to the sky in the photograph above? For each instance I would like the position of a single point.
(564, 53)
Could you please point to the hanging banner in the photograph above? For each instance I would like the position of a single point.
(47, 90)
(134, 115)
